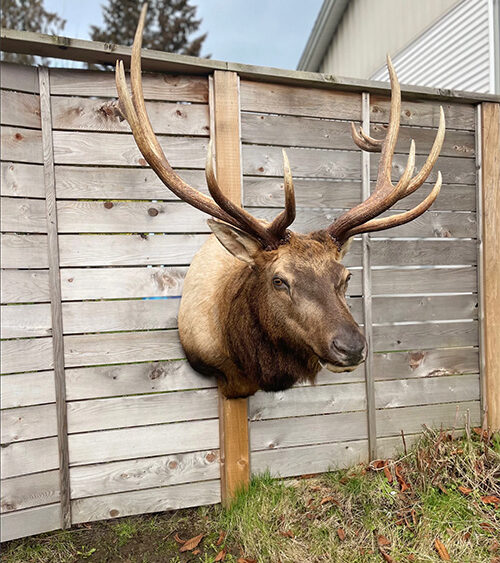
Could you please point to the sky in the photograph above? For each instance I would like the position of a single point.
(259, 32)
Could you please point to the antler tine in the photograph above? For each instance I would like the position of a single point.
(364, 141)
(280, 224)
(400, 218)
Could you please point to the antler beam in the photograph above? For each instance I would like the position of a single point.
(360, 218)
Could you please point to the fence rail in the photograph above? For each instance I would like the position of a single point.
(110, 379)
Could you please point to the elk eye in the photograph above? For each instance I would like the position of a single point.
(348, 278)
(279, 283)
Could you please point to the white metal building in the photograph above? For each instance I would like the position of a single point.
(440, 43)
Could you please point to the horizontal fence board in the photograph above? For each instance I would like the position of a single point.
(425, 335)
(22, 145)
(30, 490)
(424, 281)
(409, 392)
(302, 401)
(21, 78)
(20, 109)
(393, 447)
(109, 283)
(114, 348)
(422, 253)
(309, 459)
(23, 286)
(87, 182)
(25, 389)
(137, 474)
(424, 113)
(134, 250)
(22, 458)
(143, 502)
(268, 161)
(304, 430)
(104, 414)
(293, 100)
(292, 131)
(24, 251)
(28, 423)
(433, 224)
(20, 321)
(28, 354)
(23, 215)
(144, 441)
(21, 180)
(430, 308)
(30, 522)
(149, 377)
(390, 422)
(164, 87)
(87, 114)
(425, 363)
(76, 147)
(338, 194)
(129, 216)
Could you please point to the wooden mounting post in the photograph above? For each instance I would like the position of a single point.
(233, 416)
(490, 149)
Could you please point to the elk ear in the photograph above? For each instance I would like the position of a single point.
(345, 247)
(240, 244)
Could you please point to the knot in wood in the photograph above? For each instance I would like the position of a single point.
(108, 204)
(152, 212)
(156, 373)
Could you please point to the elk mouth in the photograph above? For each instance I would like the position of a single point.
(336, 368)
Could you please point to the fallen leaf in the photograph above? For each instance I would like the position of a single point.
(308, 475)
(495, 546)
(377, 464)
(222, 537)
(399, 476)
(315, 489)
(483, 434)
(328, 499)
(411, 557)
(196, 552)
(464, 490)
(490, 499)
(442, 551)
(220, 556)
(487, 526)
(287, 534)
(382, 540)
(466, 536)
(246, 560)
(387, 473)
(192, 543)
(442, 488)
(179, 540)
(341, 534)
(344, 480)
(385, 555)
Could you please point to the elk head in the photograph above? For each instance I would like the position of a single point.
(267, 308)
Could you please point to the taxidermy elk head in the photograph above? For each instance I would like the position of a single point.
(264, 307)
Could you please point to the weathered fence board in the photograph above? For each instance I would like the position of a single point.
(25, 389)
(22, 458)
(24, 251)
(20, 78)
(85, 114)
(23, 215)
(104, 414)
(28, 423)
(137, 474)
(30, 522)
(143, 441)
(27, 354)
(21, 180)
(20, 109)
(25, 286)
(30, 490)
(21, 145)
(142, 502)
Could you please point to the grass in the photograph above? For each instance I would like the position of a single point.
(435, 501)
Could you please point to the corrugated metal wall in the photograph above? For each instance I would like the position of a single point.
(369, 29)
(456, 52)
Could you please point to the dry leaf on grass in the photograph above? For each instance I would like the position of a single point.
(192, 543)
(287, 534)
(328, 499)
(385, 555)
(341, 534)
(246, 560)
(222, 537)
(382, 540)
(179, 539)
(387, 473)
(490, 499)
(487, 526)
(464, 490)
(411, 557)
(399, 476)
(196, 552)
(220, 556)
(441, 549)
(495, 546)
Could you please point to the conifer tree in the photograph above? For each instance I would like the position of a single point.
(169, 25)
(28, 15)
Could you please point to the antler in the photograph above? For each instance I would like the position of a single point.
(134, 110)
(360, 219)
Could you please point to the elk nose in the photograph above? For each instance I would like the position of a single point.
(350, 347)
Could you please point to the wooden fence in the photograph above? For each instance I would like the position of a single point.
(101, 415)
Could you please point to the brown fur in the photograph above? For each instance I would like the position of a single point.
(236, 325)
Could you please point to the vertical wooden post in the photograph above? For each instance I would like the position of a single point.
(367, 293)
(233, 416)
(55, 295)
(490, 157)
